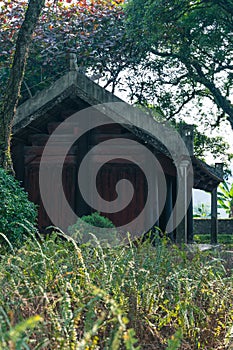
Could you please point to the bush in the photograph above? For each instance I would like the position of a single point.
(17, 213)
(96, 220)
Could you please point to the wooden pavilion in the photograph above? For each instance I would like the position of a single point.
(38, 117)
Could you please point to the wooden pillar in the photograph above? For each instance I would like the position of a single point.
(156, 209)
(190, 222)
(169, 209)
(174, 192)
(214, 207)
(182, 202)
(184, 206)
(214, 217)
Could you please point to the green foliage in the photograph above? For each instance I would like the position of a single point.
(204, 145)
(175, 342)
(116, 298)
(171, 52)
(225, 198)
(93, 30)
(202, 211)
(222, 238)
(68, 290)
(15, 337)
(91, 225)
(17, 213)
(216, 146)
(97, 220)
(185, 55)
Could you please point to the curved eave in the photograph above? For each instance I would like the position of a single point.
(205, 177)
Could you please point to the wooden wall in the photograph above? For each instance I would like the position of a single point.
(30, 153)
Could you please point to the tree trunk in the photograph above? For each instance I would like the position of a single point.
(11, 97)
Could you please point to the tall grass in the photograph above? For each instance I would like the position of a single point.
(57, 295)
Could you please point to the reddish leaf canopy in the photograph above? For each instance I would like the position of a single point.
(92, 29)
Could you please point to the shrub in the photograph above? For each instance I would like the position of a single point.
(96, 220)
(17, 213)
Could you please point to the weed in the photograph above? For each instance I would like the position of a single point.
(58, 295)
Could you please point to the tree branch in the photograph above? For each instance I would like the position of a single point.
(220, 100)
